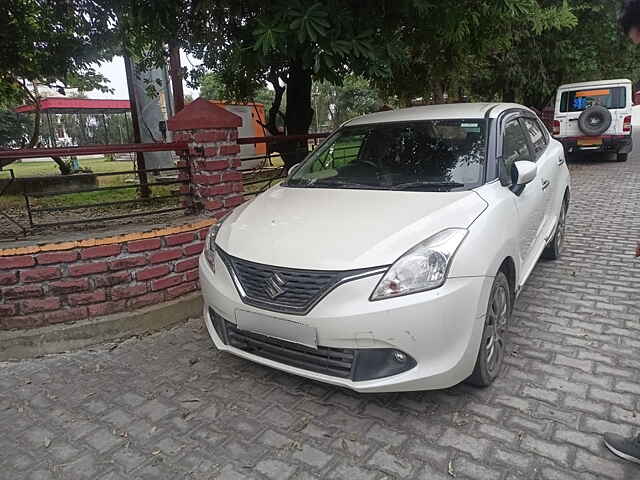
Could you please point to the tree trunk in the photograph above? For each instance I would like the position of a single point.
(298, 115)
(36, 127)
(65, 168)
(404, 99)
(274, 110)
(438, 93)
(509, 94)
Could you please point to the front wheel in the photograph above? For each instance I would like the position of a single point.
(492, 347)
(554, 247)
(622, 157)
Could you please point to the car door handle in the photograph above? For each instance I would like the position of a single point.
(545, 184)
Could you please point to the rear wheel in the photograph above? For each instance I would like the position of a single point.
(622, 157)
(492, 347)
(553, 250)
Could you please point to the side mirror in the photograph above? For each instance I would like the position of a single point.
(524, 172)
(293, 169)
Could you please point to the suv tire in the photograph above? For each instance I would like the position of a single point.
(594, 120)
(622, 157)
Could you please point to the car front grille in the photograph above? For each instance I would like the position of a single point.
(286, 290)
(336, 362)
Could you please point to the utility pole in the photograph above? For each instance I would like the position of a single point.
(140, 165)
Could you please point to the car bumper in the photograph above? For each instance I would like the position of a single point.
(614, 143)
(439, 329)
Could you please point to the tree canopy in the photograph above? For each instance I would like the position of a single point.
(54, 43)
(480, 49)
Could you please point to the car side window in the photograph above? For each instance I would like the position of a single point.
(538, 140)
(544, 130)
(514, 145)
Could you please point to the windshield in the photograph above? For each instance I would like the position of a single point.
(579, 100)
(432, 155)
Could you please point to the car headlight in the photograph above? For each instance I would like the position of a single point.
(210, 242)
(424, 267)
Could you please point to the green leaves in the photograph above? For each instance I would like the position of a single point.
(268, 36)
(310, 23)
(306, 23)
(54, 42)
(362, 45)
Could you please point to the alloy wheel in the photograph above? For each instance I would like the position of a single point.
(560, 229)
(496, 325)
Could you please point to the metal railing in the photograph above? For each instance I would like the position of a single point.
(270, 172)
(5, 215)
(60, 210)
(33, 211)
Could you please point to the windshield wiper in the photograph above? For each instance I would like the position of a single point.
(428, 185)
(336, 182)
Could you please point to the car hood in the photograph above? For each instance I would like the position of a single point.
(341, 229)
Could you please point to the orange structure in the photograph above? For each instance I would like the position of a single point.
(252, 115)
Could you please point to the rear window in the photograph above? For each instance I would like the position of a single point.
(579, 100)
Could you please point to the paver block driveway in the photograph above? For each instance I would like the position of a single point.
(170, 406)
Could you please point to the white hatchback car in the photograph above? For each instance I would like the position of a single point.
(390, 259)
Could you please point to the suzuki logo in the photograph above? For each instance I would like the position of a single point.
(274, 286)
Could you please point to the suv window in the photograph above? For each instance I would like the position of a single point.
(514, 145)
(579, 100)
(538, 139)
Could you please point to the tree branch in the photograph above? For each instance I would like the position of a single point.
(272, 124)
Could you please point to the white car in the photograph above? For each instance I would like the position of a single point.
(595, 117)
(390, 259)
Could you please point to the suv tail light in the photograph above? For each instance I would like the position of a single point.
(626, 126)
(556, 127)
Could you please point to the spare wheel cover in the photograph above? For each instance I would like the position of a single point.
(594, 120)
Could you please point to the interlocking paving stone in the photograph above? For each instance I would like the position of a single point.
(169, 405)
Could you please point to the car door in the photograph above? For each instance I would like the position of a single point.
(529, 201)
(548, 161)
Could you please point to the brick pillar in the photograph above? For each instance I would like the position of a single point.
(212, 133)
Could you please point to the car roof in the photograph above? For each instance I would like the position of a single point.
(436, 112)
(594, 83)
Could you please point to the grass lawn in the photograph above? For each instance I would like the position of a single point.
(98, 165)
(37, 169)
(102, 165)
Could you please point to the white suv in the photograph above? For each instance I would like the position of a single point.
(390, 259)
(595, 116)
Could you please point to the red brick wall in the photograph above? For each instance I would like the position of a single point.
(116, 275)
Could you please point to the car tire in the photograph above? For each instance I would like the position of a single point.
(554, 248)
(492, 347)
(622, 157)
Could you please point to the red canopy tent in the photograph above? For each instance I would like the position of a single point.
(77, 105)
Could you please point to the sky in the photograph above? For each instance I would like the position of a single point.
(115, 72)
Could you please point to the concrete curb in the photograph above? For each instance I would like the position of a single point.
(20, 344)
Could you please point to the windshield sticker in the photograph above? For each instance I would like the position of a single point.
(579, 103)
(593, 93)
(470, 127)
